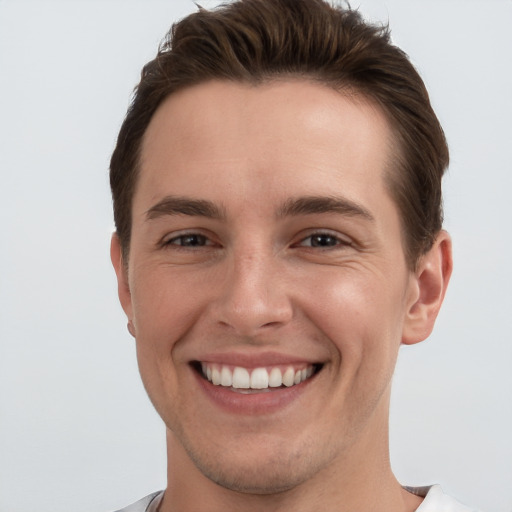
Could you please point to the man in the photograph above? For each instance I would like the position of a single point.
(277, 199)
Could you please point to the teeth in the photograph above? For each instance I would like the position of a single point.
(241, 378)
(275, 379)
(289, 377)
(260, 378)
(226, 378)
(216, 376)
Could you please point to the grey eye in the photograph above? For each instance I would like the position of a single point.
(192, 240)
(323, 240)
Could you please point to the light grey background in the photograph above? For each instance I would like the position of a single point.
(77, 431)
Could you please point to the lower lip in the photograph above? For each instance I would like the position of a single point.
(266, 402)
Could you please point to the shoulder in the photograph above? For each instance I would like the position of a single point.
(143, 504)
(437, 501)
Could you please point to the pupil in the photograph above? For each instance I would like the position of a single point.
(193, 240)
(323, 241)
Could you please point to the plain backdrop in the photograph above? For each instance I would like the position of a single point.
(77, 432)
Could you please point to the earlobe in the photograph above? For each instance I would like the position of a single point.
(431, 280)
(123, 288)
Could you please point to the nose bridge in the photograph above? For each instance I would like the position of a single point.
(254, 296)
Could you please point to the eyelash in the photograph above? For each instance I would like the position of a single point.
(203, 241)
(338, 241)
(184, 236)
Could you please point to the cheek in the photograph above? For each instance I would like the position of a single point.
(164, 310)
(163, 314)
(360, 313)
(165, 306)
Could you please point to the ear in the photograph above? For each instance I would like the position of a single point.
(430, 282)
(123, 288)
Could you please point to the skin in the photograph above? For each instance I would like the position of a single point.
(259, 280)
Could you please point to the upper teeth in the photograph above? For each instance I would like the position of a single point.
(258, 378)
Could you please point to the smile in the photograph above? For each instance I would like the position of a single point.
(243, 379)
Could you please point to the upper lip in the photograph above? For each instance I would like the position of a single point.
(254, 360)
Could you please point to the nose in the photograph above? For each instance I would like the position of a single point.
(254, 296)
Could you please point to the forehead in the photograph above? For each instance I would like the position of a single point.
(261, 136)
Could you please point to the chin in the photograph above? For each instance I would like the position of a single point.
(265, 478)
(271, 470)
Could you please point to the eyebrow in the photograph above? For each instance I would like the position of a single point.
(306, 205)
(310, 205)
(173, 205)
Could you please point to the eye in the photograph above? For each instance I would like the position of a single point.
(189, 240)
(323, 240)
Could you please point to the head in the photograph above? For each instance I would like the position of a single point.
(277, 200)
(257, 41)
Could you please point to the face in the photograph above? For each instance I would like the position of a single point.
(267, 285)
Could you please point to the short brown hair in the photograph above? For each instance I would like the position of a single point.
(254, 41)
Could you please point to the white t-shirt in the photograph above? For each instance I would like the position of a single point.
(435, 500)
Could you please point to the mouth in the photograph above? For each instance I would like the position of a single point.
(243, 380)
